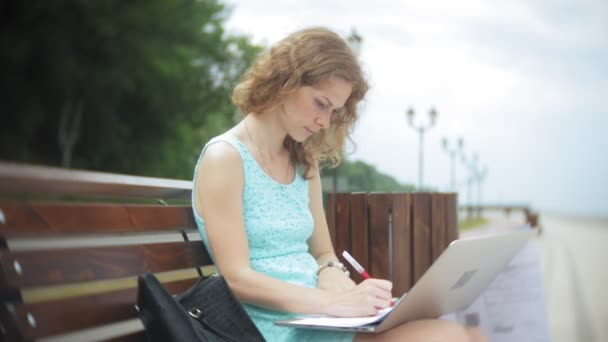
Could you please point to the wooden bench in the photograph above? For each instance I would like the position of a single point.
(394, 236)
(72, 244)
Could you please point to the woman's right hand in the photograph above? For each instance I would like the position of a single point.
(365, 299)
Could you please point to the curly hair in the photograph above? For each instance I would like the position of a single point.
(305, 58)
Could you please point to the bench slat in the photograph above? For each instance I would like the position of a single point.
(421, 234)
(30, 179)
(62, 266)
(452, 230)
(83, 312)
(342, 223)
(379, 206)
(439, 225)
(27, 219)
(359, 232)
(402, 244)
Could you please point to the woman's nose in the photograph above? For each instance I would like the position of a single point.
(323, 120)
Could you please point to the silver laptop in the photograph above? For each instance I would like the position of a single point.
(452, 283)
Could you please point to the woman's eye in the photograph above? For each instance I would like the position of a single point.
(320, 104)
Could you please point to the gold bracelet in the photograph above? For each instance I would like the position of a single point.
(333, 264)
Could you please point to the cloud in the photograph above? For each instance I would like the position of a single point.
(523, 82)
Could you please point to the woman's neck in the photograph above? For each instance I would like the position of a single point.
(266, 133)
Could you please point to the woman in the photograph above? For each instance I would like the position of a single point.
(257, 194)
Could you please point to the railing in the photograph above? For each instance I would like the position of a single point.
(395, 236)
(531, 217)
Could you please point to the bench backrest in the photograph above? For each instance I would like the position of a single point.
(69, 267)
(394, 236)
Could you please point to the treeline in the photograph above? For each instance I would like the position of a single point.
(124, 86)
(352, 176)
(133, 87)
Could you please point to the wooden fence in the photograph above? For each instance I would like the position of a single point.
(394, 236)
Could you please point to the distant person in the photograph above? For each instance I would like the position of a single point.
(258, 200)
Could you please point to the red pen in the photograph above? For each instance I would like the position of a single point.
(359, 269)
(356, 265)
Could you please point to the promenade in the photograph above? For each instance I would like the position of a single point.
(572, 255)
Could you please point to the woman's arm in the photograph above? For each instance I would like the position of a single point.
(219, 189)
(320, 246)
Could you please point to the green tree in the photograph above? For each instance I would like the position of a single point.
(123, 86)
(364, 177)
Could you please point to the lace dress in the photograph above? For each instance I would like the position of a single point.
(278, 223)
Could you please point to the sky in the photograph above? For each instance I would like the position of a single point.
(523, 83)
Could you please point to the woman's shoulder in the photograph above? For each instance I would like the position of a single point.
(219, 166)
(220, 151)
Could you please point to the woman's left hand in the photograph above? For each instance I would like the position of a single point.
(334, 279)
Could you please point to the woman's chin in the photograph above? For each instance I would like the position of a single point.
(301, 137)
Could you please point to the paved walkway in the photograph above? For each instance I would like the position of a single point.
(573, 253)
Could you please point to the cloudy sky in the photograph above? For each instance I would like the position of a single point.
(524, 83)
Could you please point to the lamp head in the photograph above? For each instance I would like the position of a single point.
(410, 115)
(433, 115)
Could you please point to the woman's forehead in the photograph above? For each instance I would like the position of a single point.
(335, 89)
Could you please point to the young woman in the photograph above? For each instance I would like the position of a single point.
(257, 195)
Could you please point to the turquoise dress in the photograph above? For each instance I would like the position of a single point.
(278, 223)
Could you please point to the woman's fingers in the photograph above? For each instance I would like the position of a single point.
(380, 283)
(379, 288)
(366, 298)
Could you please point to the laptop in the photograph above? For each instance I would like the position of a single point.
(452, 283)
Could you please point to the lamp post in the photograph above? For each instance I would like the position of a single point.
(481, 176)
(471, 167)
(452, 152)
(355, 41)
(421, 129)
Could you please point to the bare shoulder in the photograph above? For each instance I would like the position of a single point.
(221, 151)
(221, 163)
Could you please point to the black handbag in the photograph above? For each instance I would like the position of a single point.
(208, 311)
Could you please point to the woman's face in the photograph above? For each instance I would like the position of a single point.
(309, 108)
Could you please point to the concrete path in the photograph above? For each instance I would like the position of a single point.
(573, 253)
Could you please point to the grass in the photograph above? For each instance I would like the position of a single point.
(475, 222)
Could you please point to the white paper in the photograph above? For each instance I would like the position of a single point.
(341, 321)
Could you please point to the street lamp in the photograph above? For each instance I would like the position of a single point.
(481, 176)
(421, 129)
(471, 167)
(477, 173)
(452, 152)
(355, 41)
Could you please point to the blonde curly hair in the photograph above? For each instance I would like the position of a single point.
(305, 58)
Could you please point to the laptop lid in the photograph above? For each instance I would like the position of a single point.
(458, 276)
(452, 283)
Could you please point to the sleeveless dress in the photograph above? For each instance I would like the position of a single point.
(278, 222)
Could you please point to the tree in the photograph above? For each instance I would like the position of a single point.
(123, 86)
(364, 177)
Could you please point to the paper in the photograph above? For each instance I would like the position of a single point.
(513, 307)
(329, 321)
